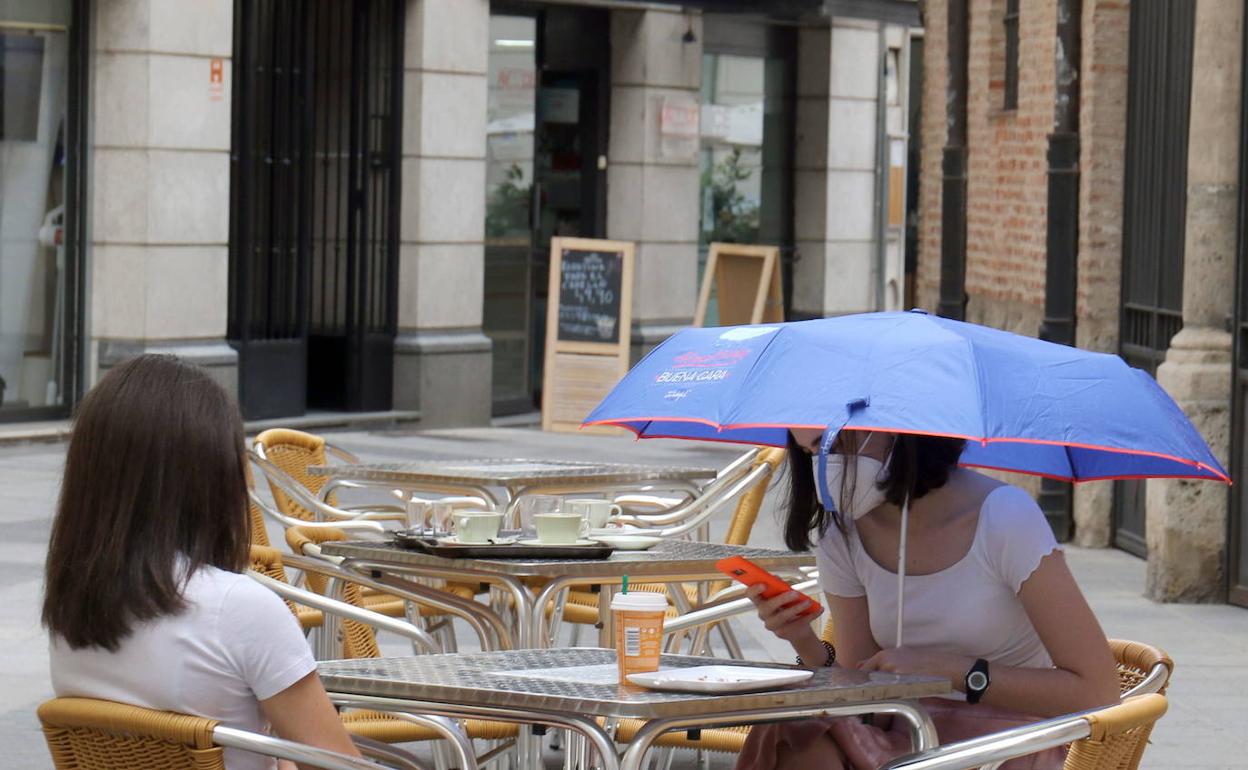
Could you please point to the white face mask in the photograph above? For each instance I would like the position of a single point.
(864, 495)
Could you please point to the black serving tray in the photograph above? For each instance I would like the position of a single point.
(429, 545)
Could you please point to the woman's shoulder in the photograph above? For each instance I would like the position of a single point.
(1007, 505)
(231, 593)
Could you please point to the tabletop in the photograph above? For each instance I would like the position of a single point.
(582, 680)
(509, 472)
(665, 559)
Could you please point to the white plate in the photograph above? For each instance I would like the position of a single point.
(719, 678)
(454, 540)
(629, 542)
(535, 541)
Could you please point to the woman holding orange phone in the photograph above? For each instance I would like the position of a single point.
(989, 602)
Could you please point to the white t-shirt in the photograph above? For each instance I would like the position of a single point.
(970, 608)
(235, 644)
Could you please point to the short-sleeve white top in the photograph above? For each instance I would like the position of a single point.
(970, 608)
(235, 644)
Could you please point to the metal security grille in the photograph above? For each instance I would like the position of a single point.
(1154, 210)
(314, 203)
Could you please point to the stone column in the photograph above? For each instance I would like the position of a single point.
(442, 360)
(652, 177)
(835, 175)
(160, 177)
(1186, 520)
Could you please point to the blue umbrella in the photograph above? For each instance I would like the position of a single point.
(1022, 404)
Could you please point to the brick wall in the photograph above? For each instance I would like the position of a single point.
(1007, 184)
(932, 130)
(1102, 141)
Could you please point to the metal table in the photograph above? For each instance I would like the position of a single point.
(570, 688)
(517, 477)
(669, 561)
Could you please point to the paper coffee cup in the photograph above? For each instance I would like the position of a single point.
(638, 618)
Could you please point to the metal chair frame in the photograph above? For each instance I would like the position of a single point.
(323, 510)
(989, 752)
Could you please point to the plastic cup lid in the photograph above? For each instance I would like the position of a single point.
(639, 600)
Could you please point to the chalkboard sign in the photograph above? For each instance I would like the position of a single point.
(591, 285)
(588, 327)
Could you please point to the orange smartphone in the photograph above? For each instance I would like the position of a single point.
(747, 572)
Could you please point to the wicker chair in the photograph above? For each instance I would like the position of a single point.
(581, 606)
(293, 451)
(88, 734)
(359, 641)
(1111, 738)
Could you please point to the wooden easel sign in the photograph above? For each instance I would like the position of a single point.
(747, 284)
(589, 320)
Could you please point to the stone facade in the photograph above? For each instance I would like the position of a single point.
(442, 359)
(160, 174)
(652, 187)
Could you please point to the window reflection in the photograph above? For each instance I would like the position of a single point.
(33, 68)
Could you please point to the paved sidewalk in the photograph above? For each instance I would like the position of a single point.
(1209, 696)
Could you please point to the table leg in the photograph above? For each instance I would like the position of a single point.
(922, 732)
(587, 726)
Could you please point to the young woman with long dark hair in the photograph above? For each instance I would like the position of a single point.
(989, 602)
(144, 597)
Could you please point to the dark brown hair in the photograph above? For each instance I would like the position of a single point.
(918, 465)
(153, 477)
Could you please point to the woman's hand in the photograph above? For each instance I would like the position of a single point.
(916, 660)
(790, 623)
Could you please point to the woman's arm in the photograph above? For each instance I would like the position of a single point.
(850, 620)
(1083, 674)
(303, 713)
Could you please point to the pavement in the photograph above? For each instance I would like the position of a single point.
(1206, 727)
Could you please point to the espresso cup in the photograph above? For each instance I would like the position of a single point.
(477, 526)
(596, 512)
(559, 528)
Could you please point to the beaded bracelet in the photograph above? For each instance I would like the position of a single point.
(831, 658)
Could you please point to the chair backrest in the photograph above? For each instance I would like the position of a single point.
(87, 734)
(1121, 749)
(292, 451)
(746, 513)
(358, 639)
(1119, 735)
(259, 533)
(268, 562)
(1137, 661)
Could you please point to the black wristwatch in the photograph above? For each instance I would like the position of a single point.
(977, 681)
(830, 658)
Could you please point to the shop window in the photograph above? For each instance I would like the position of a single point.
(34, 57)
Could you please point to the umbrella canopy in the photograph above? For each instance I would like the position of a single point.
(1022, 404)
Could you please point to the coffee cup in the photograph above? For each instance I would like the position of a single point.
(596, 512)
(559, 528)
(638, 618)
(477, 526)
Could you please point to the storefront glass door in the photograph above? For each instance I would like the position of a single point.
(545, 152)
(34, 268)
(746, 141)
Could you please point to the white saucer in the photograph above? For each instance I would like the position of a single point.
(629, 542)
(454, 540)
(535, 541)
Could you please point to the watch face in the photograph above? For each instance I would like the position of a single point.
(976, 680)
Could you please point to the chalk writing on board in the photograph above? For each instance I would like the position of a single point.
(589, 296)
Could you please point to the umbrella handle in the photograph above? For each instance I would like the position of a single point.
(901, 565)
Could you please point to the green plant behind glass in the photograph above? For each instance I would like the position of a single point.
(734, 217)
